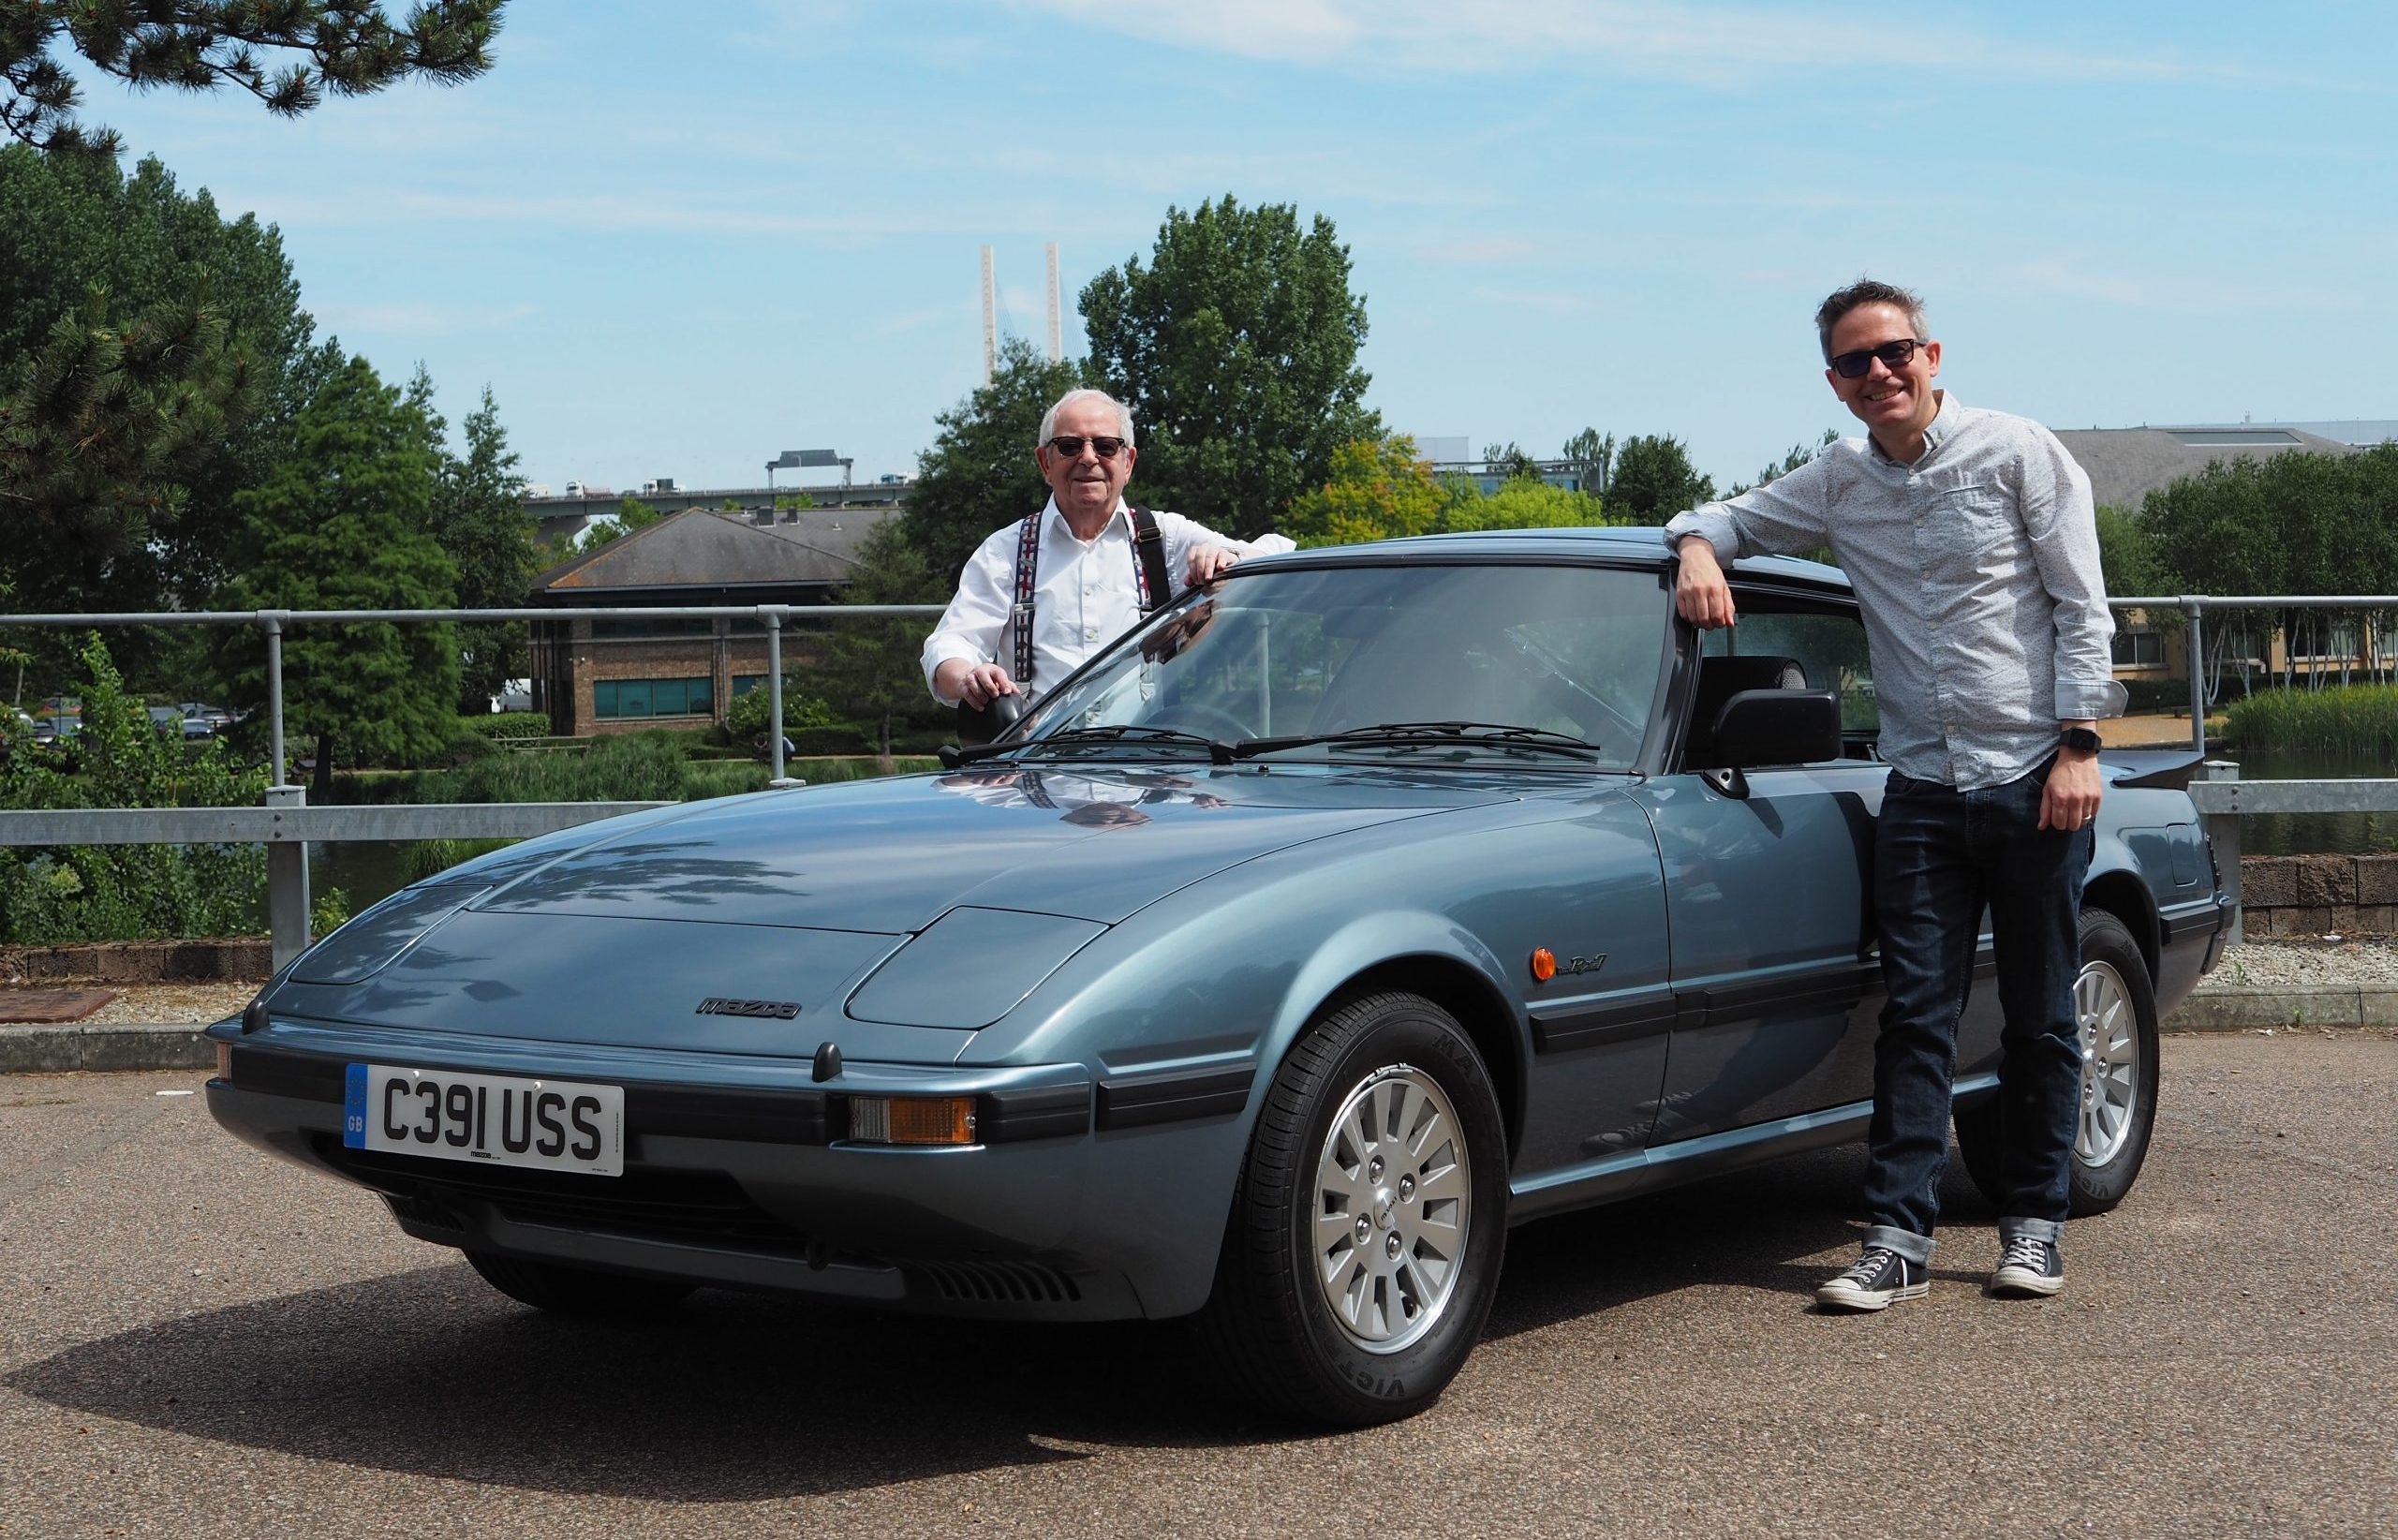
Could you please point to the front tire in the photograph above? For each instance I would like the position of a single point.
(2115, 1111)
(563, 1290)
(1369, 1219)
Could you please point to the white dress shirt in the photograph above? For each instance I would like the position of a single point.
(1085, 593)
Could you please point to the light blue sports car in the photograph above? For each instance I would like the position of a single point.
(1333, 921)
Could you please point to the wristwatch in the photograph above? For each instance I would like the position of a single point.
(2081, 740)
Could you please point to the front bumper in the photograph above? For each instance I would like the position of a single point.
(736, 1174)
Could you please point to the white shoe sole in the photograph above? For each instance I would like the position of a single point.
(1852, 1298)
(2024, 1284)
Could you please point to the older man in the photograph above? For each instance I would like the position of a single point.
(1972, 542)
(1039, 596)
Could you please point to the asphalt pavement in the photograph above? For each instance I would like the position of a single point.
(197, 1341)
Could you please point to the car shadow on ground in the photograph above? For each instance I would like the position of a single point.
(732, 1397)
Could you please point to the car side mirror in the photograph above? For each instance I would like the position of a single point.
(1759, 727)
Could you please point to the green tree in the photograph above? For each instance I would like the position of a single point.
(1510, 462)
(980, 474)
(2127, 554)
(152, 356)
(119, 892)
(1237, 348)
(1596, 456)
(340, 523)
(1526, 503)
(1377, 490)
(871, 672)
(285, 53)
(2292, 524)
(478, 517)
(1653, 480)
(631, 516)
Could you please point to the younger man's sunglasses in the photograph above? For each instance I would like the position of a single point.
(1894, 356)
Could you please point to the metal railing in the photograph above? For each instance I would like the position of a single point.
(2193, 607)
(286, 824)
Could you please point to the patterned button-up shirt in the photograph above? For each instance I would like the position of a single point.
(1977, 570)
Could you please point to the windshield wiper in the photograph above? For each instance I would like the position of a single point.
(1494, 734)
(1216, 750)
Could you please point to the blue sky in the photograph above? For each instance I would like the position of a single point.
(676, 239)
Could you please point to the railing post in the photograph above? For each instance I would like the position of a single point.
(286, 883)
(2223, 833)
(774, 615)
(2195, 651)
(272, 621)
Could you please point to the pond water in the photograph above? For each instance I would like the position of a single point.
(2314, 834)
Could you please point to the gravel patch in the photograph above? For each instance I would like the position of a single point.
(175, 1003)
(2295, 965)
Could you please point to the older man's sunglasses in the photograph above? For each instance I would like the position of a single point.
(1894, 356)
(1071, 445)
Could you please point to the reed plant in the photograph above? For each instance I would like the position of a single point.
(2350, 719)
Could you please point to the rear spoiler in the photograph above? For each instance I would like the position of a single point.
(2169, 768)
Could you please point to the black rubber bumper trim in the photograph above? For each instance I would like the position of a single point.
(1034, 1112)
(693, 1112)
(1139, 1101)
(2212, 918)
(1838, 987)
(1557, 1029)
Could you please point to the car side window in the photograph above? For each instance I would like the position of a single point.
(1829, 643)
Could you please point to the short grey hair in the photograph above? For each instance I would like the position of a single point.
(1049, 418)
(1867, 292)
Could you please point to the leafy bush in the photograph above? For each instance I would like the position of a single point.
(508, 724)
(745, 718)
(634, 767)
(91, 893)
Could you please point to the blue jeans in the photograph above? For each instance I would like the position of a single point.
(1939, 855)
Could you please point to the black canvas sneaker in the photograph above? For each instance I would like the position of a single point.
(1880, 1275)
(2029, 1269)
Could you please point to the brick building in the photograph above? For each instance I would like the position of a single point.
(595, 676)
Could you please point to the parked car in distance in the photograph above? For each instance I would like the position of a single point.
(1334, 920)
(51, 729)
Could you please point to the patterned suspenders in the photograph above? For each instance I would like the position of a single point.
(1149, 582)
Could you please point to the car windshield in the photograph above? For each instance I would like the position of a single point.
(1548, 666)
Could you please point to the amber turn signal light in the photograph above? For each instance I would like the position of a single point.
(1544, 964)
(912, 1120)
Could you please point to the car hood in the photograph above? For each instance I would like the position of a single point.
(889, 856)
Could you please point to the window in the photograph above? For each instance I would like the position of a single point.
(619, 699)
(1566, 650)
(2137, 647)
(622, 631)
(1828, 644)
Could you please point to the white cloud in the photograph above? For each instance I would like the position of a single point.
(1713, 45)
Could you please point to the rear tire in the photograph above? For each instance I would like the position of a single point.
(1369, 1219)
(2116, 1007)
(563, 1290)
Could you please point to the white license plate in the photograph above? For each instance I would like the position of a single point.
(549, 1125)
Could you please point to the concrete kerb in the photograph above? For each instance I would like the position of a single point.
(123, 1045)
(51, 1050)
